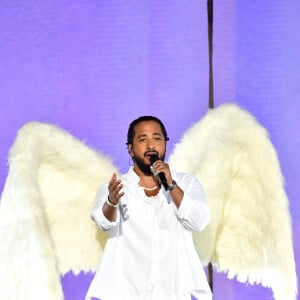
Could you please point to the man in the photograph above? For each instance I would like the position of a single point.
(150, 252)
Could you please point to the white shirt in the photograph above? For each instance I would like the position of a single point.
(150, 252)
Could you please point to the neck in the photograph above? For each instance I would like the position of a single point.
(146, 181)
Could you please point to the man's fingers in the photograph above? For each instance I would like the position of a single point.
(114, 188)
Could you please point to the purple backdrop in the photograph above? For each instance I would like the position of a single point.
(92, 66)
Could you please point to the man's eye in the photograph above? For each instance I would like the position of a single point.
(142, 140)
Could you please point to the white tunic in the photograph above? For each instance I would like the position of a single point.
(150, 252)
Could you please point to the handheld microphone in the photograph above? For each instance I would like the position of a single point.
(161, 175)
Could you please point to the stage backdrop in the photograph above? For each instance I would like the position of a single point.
(90, 67)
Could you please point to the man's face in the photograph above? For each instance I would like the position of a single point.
(148, 140)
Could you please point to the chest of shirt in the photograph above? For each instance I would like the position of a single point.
(147, 215)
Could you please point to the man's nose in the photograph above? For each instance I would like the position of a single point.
(150, 145)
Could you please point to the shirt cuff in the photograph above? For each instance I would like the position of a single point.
(185, 208)
(103, 223)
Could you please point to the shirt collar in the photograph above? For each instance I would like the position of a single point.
(133, 176)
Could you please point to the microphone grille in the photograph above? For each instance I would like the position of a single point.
(153, 158)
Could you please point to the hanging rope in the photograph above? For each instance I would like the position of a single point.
(211, 92)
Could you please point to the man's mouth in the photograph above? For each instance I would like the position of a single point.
(149, 154)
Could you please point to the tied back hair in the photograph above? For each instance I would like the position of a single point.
(130, 133)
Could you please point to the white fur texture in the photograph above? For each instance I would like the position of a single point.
(250, 233)
(45, 224)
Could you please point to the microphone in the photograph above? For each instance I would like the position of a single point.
(161, 175)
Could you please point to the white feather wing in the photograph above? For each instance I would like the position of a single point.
(45, 214)
(250, 232)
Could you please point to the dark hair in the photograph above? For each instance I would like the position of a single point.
(130, 134)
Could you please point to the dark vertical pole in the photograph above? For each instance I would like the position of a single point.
(210, 15)
(210, 277)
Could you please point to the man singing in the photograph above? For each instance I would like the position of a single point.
(150, 214)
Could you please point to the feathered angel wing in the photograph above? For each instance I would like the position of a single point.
(45, 224)
(250, 233)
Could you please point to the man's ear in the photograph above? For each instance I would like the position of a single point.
(129, 148)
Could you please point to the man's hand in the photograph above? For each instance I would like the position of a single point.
(160, 166)
(114, 189)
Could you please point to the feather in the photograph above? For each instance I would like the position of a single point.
(249, 236)
(45, 224)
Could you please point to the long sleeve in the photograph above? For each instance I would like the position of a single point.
(193, 212)
(97, 212)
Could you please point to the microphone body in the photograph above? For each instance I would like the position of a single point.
(161, 175)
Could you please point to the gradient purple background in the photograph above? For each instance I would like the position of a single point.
(91, 67)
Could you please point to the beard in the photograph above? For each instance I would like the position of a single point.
(145, 168)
